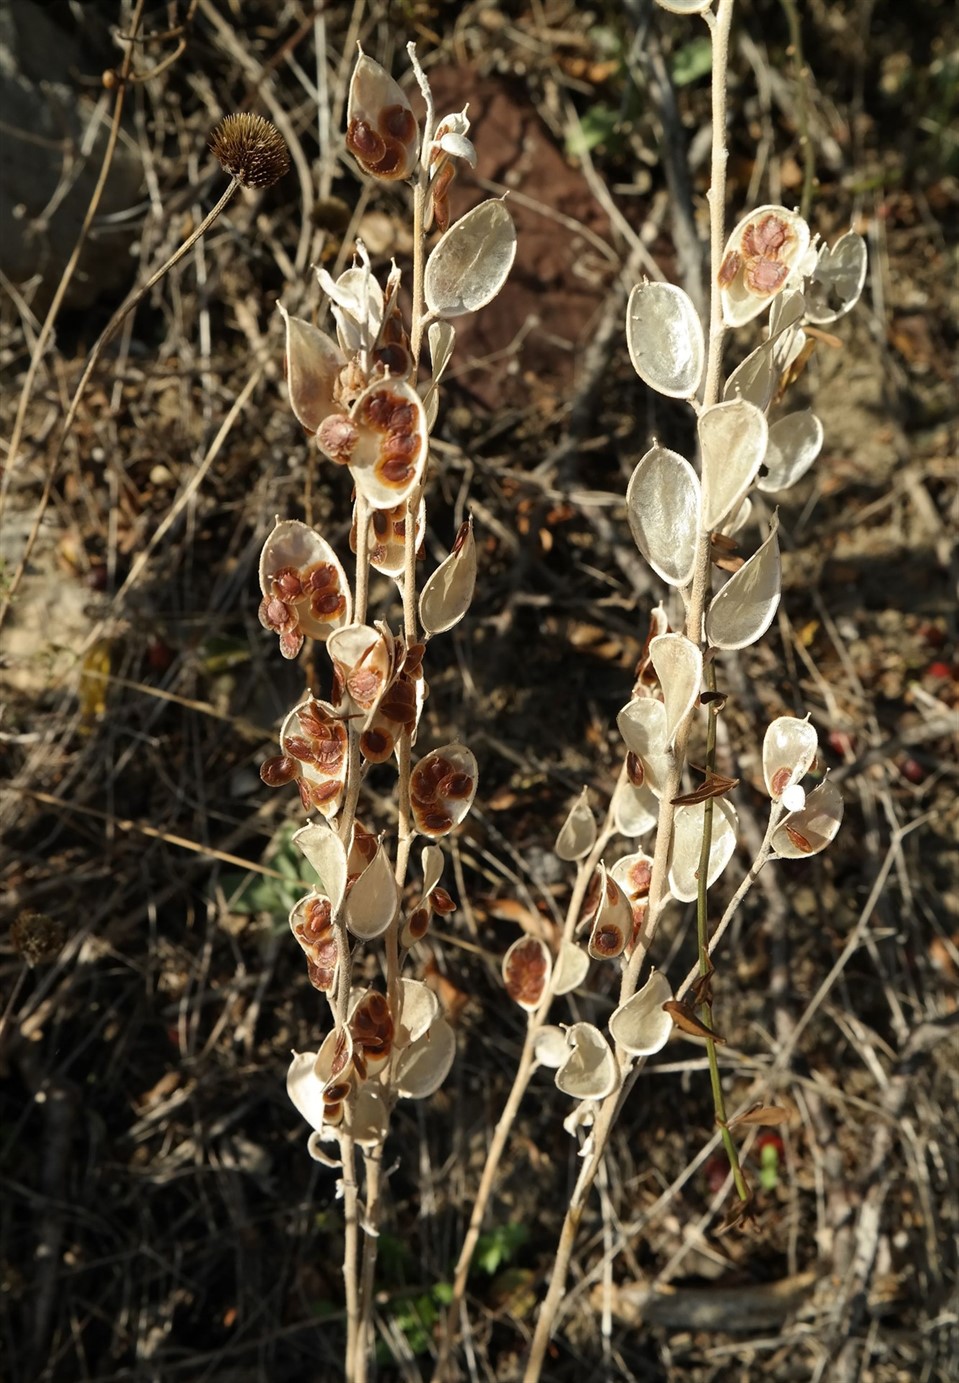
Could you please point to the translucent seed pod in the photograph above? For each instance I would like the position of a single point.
(613, 923)
(373, 900)
(577, 835)
(679, 666)
(746, 606)
(527, 967)
(836, 283)
(442, 788)
(305, 591)
(471, 262)
(590, 1071)
(571, 968)
(388, 449)
(313, 365)
(382, 133)
(640, 1026)
(765, 250)
(810, 830)
(665, 340)
(423, 1067)
(789, 751)
(687, 843)
(447, 594)
(663, 506)
(733, 440)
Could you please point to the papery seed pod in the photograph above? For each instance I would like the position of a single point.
(590, 1071)
(685, 6)
(334, 1060)
(305, 1088)
(389, 455)
(835, 284)
(415, 927)
(689, 824)
(766, 248)
(613, 924)
(313, 365)
(370, 1118)
(305, 591)
(363, 659)
(326, 853)
(420, 1007)
(358, 308)
(442, 788)
(372, 902)
(315, 739)
(382, 134)
(679, 667)
(665, 340)
(549, 1047)
(663, 508)
(746, 606)
(527, 966)
(570, 969)
(642, 724)
(425, 1064)
(372, 1028)
(789, 751)
(471, 262)
(793, 445)
(311, 924)
(387, 533)
(640, 1026)
(635, 810)
(733, 441)
(577, 835)
(757, 379)
(634, 875)
(810, 830)
(447, 594)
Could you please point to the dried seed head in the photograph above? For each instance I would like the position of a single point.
(37, 937)
(250, 149)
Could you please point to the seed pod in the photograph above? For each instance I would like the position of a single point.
(313, 365)
(373, 900)
(590, 1071)
(635, 810)
(388, 455)
(447, 594)
(305, 591)
(571, 969)
(372, 1028)
(733, 440)
(810, 830)
(442, 788)
(578, 833)
(663, 507)
(315, 739)
(679, 667)
(311, 924)
(665, 340)
(689, 823)
(836, 283)
(426, 1063)
(745, 607)
(613, 923)
(471, 262)
(363, 658)
(765, 250)
(549, 1047)
(640, 1026)
(382, 134)
(792, 448)
(527, 966)
(642, 724)
(325, 852)
(789, 750)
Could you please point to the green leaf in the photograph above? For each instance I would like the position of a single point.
(692, 61)
(596, 127)
(498, 1247)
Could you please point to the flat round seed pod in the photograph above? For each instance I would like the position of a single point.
(664, 337)
(663, 506)
(744, 609)
(471, 262)
(641, 1026)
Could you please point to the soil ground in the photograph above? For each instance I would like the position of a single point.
(160, 1219)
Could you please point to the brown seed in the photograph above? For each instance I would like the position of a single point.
(729, 268)
(525, 974)
(799, 840)
(378, 409)
(364, 143)
(277, 771)
(298, 749)
(607, 941)
(780, 781)
(376, 745)
(398, 121)
(442, 901)
(435, 823)
(455, 787)
(634, 770)
(287, 584)
(394, 472)
(418, 924)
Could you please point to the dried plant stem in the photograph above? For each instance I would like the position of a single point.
(355, 1355)
(122, 80)
(103, 340)
(719, 25)
(521, 1080)
(705, 965)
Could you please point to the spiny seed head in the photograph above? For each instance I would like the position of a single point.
(250, 149)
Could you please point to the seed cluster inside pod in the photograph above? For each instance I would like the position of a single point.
(313, 745)
(441, 789)
(304, 588)
(393, 417)
(373, 1029)
(383, 149)
(312, 925)
(526, 971)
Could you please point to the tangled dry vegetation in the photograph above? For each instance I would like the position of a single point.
(158, 1218)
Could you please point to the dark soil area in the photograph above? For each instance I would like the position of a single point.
(160, 1218)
